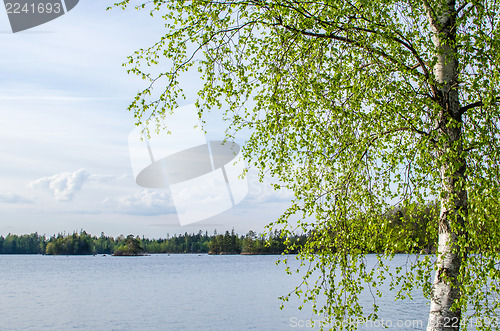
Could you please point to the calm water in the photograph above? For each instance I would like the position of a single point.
(161, 292)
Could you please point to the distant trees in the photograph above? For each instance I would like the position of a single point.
(104, 245)
(75, 244)
(186, 243)
(273, 243)
(83, 244)
(24, 244)
(253, 243)
(225, 244)
(130, 247)
(411, 229)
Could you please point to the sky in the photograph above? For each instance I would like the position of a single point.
(64, 143)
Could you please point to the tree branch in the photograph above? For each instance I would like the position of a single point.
(339, 38)
(462, 110)
(462, 7)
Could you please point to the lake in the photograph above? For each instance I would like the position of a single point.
(164, 292)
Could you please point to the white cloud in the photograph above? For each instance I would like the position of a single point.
(65, 185)
(14, 198)
(144, 202)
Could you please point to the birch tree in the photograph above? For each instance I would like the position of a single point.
(358, 106)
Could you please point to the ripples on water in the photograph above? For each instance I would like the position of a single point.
(161, 292)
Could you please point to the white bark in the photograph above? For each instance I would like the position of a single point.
(445, 289)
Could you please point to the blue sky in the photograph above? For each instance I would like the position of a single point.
(65, 162)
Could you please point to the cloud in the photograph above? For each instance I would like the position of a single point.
(14, 198)
(65, 185)
(145, 202)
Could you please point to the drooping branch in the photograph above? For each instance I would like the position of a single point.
(178, 67)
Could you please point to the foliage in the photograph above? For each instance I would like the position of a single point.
(75, 244)
(225, 244)
(356, 107)
(24, 244)
(129, 247)
(84, 244)
(187, 243)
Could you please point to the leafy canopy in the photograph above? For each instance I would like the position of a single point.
(345, 112)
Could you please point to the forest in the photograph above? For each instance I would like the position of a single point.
(410, 231)
(83, 243)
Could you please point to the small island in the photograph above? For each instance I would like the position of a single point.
(130, 247)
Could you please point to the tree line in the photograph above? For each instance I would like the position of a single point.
(411, 231)
(83, 243)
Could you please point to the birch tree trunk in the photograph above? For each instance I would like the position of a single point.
(445, 290)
